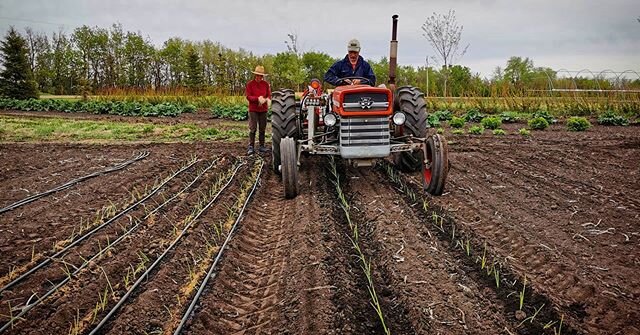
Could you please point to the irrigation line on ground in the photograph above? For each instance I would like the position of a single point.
(89, 233)
(187, 314)
(145, 275)
(29, 307)
(68, 184)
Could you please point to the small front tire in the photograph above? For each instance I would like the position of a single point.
(289, 167)
(436, 167)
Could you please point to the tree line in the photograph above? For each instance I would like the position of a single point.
(94, 60)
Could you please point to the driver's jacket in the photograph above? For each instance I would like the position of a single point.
(343, 68)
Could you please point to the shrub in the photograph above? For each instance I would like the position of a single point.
(538, 123)
(457, 122)
(524, 132)
(577, 123)
(499, 132)
(473, 115)
(457, 131)
(509, 117)
(491, 122)
(433, 121)
(444, 115)
(610, 118)
(476, 130)
(545, 115)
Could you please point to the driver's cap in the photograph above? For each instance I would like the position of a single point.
(354, 45)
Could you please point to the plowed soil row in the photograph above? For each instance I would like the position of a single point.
(559, 208)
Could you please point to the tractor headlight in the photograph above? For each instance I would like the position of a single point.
(399, 118)
(330, 120)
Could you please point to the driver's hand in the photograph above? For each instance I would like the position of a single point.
(348, 81)
(355, 82)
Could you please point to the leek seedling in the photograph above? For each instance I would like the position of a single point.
(521, 295)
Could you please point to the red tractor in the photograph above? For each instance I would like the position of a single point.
(359, 123)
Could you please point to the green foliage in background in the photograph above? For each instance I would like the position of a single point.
(491, 122)
(610, 118)
(577, 123)
(538, 123)
(457, 122)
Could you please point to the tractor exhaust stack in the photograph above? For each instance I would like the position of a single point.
(393, 54)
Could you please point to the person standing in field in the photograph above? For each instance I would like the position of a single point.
(258, 94)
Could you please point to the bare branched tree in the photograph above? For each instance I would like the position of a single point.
(444, 35)
(292, 43)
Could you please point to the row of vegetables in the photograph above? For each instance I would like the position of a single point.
(238, 111)
(124, 108)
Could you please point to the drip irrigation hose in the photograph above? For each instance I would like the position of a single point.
(29, 307)
(89, 233)
(210, 274)
(68, 184)
(145, 275)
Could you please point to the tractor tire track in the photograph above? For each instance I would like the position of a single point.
(262, 285)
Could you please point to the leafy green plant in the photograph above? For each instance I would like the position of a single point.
(473, 115)
(610, 118)
(499, 132)
(509, 117)
(440, 130)
(545, 115)
(457, 131)
(433, 121)
(524, 132)
(491, 122)
(476, 130)
(457, 122)
(538, 123)
(577, 123)
(443, 115)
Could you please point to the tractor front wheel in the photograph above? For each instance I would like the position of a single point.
(283, 122)
(436, 165)
(289, 167)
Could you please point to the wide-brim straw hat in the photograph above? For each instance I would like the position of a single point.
(259, 71)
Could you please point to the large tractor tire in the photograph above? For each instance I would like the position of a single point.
(283, 122)
(289, 161)
(410, 101)
(435, 170)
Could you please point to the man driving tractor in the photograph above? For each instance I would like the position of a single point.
(352, 65)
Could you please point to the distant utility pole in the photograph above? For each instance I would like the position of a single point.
(427, 60)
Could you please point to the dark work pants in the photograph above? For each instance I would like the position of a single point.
(259, 120)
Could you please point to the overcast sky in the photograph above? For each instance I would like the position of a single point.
(569, 34)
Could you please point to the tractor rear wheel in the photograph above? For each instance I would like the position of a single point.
(436, 167)
(283, 122)
(410, 101)
(289, 163)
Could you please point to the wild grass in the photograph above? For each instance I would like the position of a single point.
(22, 129)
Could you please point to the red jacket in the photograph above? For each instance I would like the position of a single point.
(253, 91)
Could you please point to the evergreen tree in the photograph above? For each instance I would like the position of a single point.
(195, 78)
(16, 79)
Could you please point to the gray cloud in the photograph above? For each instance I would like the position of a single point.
(558, 34)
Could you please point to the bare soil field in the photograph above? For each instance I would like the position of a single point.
(535, 235)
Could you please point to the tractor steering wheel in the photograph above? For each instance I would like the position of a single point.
(363, 80)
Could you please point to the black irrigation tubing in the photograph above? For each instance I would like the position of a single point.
(68, 184)
(210, 274)
(29, 307)
(145, 275)
(89, 233)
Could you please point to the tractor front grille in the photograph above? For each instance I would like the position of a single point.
(364, 137)
(357, 102)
